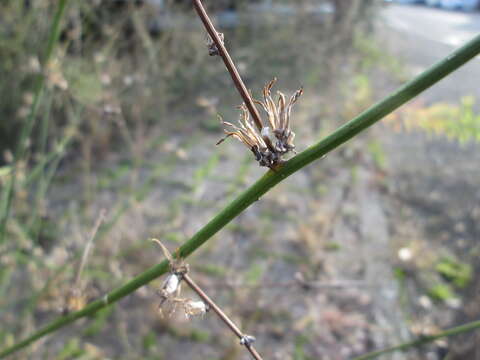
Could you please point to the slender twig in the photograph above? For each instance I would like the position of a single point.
(232, 69)
(222, 316)
(88, 246)
(340, 136)
(76, 297)
(422, 340)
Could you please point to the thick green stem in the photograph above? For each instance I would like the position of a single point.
(422, 340)
(407, 92)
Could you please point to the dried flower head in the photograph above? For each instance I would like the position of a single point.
(170, 290)
(191, 307)
(279, 115)
(194, 308)
(274, 140)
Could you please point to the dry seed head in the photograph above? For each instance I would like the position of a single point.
(275, 138)
(171, 288)
(195, 308)
(279, 117)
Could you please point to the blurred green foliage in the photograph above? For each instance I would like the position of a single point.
(457, 122)
(459, 274)
(441, 292)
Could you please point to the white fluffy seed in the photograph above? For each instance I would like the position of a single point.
(171, 284)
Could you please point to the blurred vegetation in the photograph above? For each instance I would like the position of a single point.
(129, 60)
(454, 276)
(458, 122)
(124, 68)
(459, 274)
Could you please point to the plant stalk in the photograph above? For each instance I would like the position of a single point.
(88, 246)
(222, 50)
(220, 314)
(422, 340)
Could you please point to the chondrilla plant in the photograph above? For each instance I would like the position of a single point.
(280, 171)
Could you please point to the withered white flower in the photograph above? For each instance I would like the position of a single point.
(275, 138)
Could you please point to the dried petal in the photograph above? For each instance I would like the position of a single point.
(195, 308)
(171, 284)
(292, 101)
(282, 112)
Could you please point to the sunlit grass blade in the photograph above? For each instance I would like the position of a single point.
(422, 340)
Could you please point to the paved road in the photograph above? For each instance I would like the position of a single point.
(436, 25)
(436, 179)
(423, 35)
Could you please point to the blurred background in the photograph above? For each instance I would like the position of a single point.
(375, 244)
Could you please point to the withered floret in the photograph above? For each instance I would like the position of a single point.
(275, 138)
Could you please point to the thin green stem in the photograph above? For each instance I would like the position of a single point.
(422, 340)
(26, 130)
(375, 113)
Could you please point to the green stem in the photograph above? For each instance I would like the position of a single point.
(422, 340)
(407, 92)
(26, 130)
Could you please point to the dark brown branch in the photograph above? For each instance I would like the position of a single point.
(222, 316)
(222, 51)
